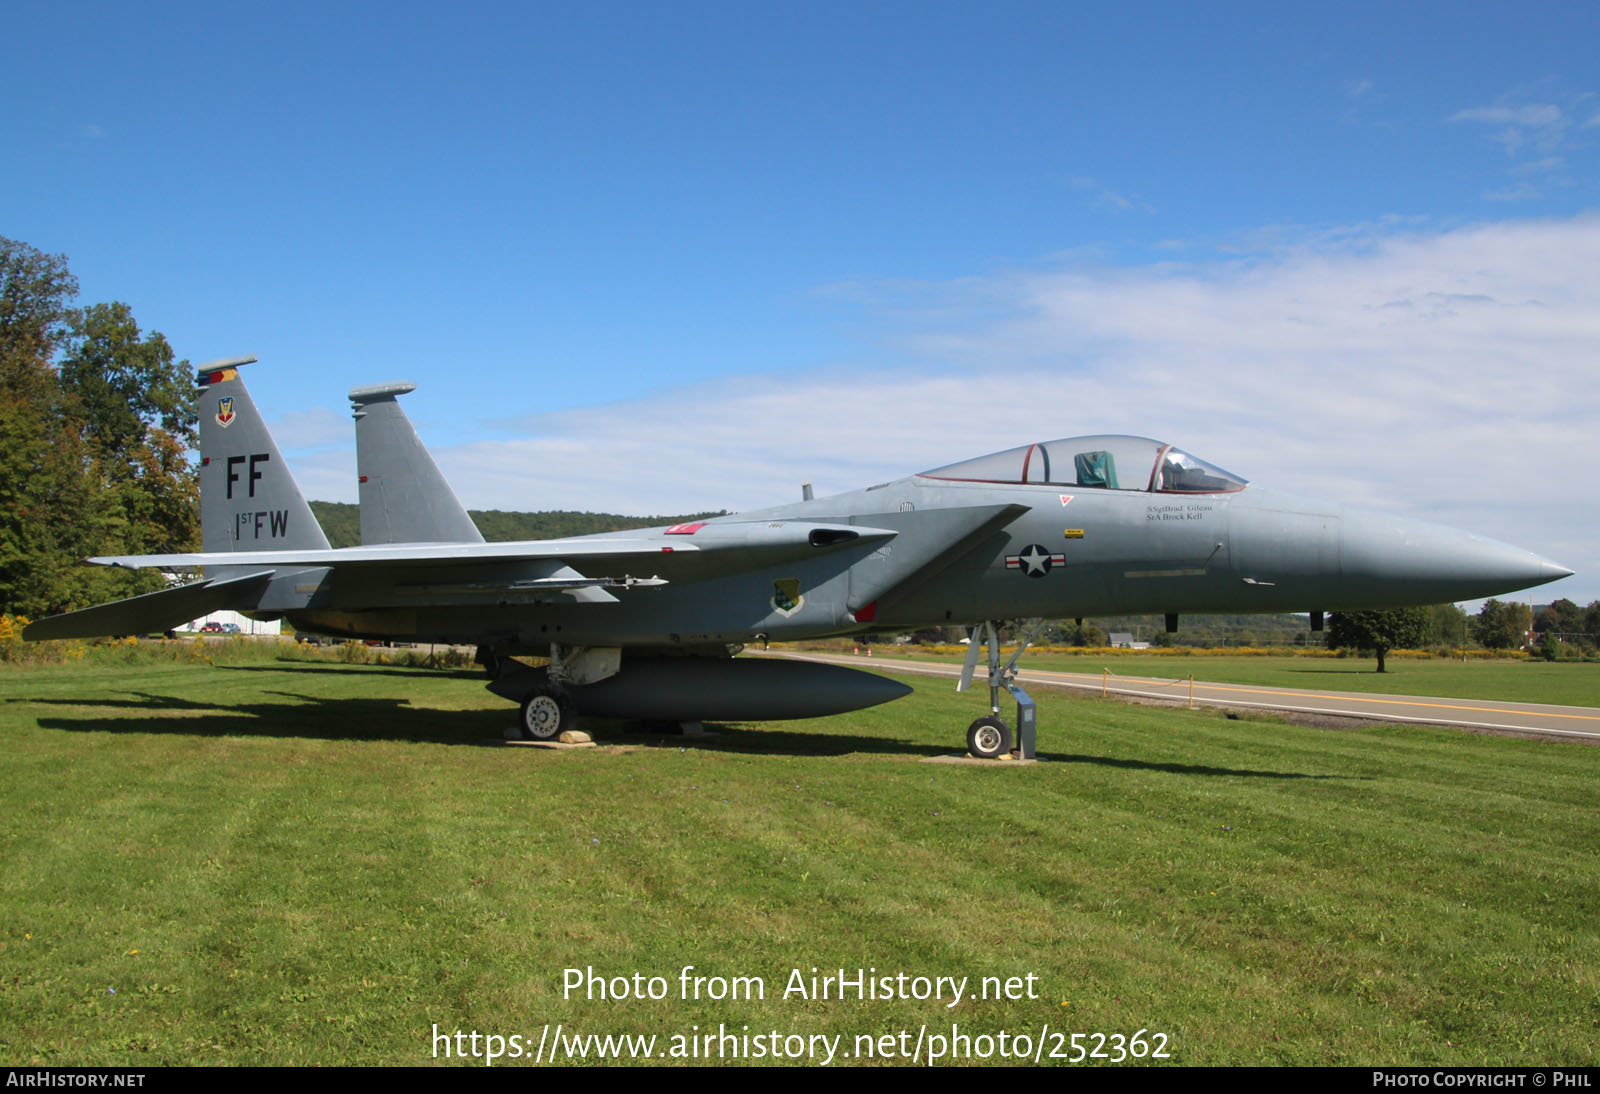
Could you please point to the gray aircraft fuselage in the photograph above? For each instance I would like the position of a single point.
(1101, 552)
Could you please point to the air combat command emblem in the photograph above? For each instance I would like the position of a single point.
(786, 598)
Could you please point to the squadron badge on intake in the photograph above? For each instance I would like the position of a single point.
(786, 597)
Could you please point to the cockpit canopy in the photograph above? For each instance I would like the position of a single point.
(1100, 463)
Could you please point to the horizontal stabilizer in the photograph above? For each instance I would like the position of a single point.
(158, 611)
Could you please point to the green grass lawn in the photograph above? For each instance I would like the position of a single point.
(283, 862)
(1573, 683)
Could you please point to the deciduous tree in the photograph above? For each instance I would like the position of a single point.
(47, 516)
(1561, 616)
(1501, 626)
(1379, 631)
(36, 294)
(137, 418)
(93, 455)
(126, 384)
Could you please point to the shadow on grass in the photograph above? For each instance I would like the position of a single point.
(394, 719)
(302, 716)
(1184, 769)
(736, 737)
(343, 669)
(1346, 672)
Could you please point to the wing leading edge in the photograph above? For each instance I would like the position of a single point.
(736, 545)
(158, 611)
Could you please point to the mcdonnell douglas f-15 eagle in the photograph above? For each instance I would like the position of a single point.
(644, 624)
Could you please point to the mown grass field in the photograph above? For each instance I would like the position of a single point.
(282, 862)
(1574, 683)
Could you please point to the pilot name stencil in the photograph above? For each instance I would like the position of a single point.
(1177, 512)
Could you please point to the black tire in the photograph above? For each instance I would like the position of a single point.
(544, 715)
(988, 738)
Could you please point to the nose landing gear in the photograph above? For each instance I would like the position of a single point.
(989, 737)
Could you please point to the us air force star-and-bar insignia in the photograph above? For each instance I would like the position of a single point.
(1034, 560)
(786, 597)
(225, 412)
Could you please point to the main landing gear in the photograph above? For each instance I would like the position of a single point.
(989, 737)
(546, 714)
(548, 707)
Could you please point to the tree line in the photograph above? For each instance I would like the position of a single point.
(341, 521)
(1560, 629)
(97, 421)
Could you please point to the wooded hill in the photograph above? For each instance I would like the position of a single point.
(342, 523)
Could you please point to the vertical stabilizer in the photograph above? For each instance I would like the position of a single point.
(404, 497)
(248, 499)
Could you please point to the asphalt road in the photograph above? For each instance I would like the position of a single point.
(1493, 715)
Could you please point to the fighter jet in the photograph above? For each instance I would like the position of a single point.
(645, 624)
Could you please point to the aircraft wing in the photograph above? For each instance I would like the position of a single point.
(158, 611)
(721, 547)
(932, 539)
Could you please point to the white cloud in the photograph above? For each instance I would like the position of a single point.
(1543, 127)
(1108, 200)
(1539, 138)
(1447, 374)
(1536, 116)
(1522, 191)
(1363, 103)
(1549, 163)
(306, 429)
(327, 474)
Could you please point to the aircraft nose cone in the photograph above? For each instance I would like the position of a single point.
(1430, 562)
(1555, 571)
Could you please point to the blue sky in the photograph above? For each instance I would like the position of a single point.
(656, 257)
